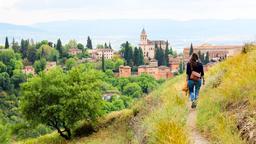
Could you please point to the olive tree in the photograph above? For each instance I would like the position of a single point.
(60, 99)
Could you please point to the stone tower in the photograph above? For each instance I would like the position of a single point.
(143, 37)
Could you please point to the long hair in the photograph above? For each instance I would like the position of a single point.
(193, 60)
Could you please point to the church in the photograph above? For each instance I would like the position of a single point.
(148, 46)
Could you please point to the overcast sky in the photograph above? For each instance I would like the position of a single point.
(35, 11)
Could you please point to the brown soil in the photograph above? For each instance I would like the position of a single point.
(246, 120)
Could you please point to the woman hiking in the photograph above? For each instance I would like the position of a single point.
(195, 75)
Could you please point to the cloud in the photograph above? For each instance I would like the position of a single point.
(32, 11)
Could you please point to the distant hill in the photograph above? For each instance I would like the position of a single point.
(179, 33)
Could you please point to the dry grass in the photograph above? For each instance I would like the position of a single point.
(229, 83)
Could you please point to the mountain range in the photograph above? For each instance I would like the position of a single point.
(179, 33)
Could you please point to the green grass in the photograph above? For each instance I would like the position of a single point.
(229, 83)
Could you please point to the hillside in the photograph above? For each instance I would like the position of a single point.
(145, 122)
(227, 109)
(225, 114)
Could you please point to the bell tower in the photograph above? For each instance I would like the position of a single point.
(143, 37)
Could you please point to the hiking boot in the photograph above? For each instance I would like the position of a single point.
(193, 104)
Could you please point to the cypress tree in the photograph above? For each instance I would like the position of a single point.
(6, 43)
(141, 55)
(24, 47)
(161, 60)
(59, 47)
(89, 43)
(130, 56)
(105, 46)
(171, 51)
(109, 46)
(156, 52)
(166, 53)
(207, 59)
(103, 61)
(136, 60)
(126, 51)
(191, 50)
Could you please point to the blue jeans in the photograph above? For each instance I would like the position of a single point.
(194, 87)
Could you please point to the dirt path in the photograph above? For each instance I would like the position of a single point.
(194, 135)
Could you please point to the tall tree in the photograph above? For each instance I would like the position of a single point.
(201, 56)
(136, 57)
(6, 43)
(128, 54)
(207, 59)
(105, 46)
(31, 54)
(60, 48)
(89, 43)
(191, 50)
(141, 55)
(103, 62)
(15, 46)
(109, 46)
(171, 51)
(157, 52)
(24, 47)
(166, 54)
(161, 60)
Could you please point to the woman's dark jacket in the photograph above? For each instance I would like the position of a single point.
(198, 68)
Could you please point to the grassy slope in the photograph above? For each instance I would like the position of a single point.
(228, 97)
(160, 119)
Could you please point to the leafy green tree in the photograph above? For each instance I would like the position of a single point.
(133, 90)
(146, 82)
(31, 53)
(5, 81)
(70, 63)
(39, 65)
(80, 46)
(60, 100)
(18, 78)
(118, 62)
(89, 43)
(109, 64)
(47, 52)
(3, 67)
(6, 43)
(15, 46)
(71, 44)
(99, 46)
(5, 131)
(191, 50)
